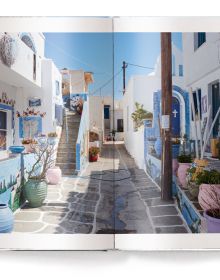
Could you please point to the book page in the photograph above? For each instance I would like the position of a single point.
(170, 95)
(56, 104)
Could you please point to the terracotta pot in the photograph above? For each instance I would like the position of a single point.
(28, 148)
(175, 165)
(181, 173)
(213, 224)
(54, 175)
(93, 158)
(206, 196)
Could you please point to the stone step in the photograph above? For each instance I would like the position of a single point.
(64, 165)
(66, 148)
(68, 171)
(70, 158)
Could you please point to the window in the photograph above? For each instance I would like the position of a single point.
(198, 107)
(181, 70)
(120, 126)
(199, 39)
(3, 130)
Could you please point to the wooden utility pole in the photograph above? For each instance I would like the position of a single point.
(166, 83)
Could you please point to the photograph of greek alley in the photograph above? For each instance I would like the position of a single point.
(92, 145)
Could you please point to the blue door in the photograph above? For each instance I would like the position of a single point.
(175, 117)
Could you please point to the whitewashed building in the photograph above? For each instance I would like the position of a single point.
(144, 90)
(102, 118)
(201, 55)
(27, 80)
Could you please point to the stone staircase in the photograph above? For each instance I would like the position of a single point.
(66, 153)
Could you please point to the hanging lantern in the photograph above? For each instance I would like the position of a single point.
(8, 49)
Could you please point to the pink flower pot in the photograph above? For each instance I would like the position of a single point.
(175, 165)
(207, 194)
(181, 173)
(28, 148)
(54, 175)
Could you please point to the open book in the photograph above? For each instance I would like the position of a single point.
(109, 133)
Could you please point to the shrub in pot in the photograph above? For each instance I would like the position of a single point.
(6, 219)
(184, 161)
(52, 138)
(209, 181)
(29, 145)
(209, 199)
(93, 154)
(35, 189)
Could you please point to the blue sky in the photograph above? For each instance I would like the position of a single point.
(94, 52)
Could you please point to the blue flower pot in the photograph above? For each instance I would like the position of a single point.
(16, 149)
(158, 147)
(6, 219)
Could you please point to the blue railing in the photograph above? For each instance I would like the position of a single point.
(82, 140)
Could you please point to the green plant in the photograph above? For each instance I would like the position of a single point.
(93, 151)
(184, 158)
(52, 134)
(140, 114)
(211, 177)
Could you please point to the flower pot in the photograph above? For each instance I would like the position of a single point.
(35, 192)
(181, 173)
(175, 150)
(28, 148)
(93, 158)
(54, 175)
(213, 224)
(206, 196)
(158, 147)
(16, 149)
(6, 219)
(175, 165)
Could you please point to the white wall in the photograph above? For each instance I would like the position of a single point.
(77, 81)
(47, 94)
(141, 89)
(23, 66)
(200, 62)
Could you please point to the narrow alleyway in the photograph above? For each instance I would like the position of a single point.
(93, 204)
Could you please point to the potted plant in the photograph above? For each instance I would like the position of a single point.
(184, 161)
(52, 138)
(35, 188)
(93, 154)
(29, 144)
(209, 181)
(139, 115)
(209, 197)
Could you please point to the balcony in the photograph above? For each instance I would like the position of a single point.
(25, 71)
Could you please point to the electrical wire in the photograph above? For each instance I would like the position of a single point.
(106, 83)
(141, 66)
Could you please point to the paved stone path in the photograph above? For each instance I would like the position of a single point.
(93, 204)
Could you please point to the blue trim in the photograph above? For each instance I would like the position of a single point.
(78, 157)
(31, 40)
(6, 107)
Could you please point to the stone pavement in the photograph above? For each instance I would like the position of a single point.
(93, 204)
